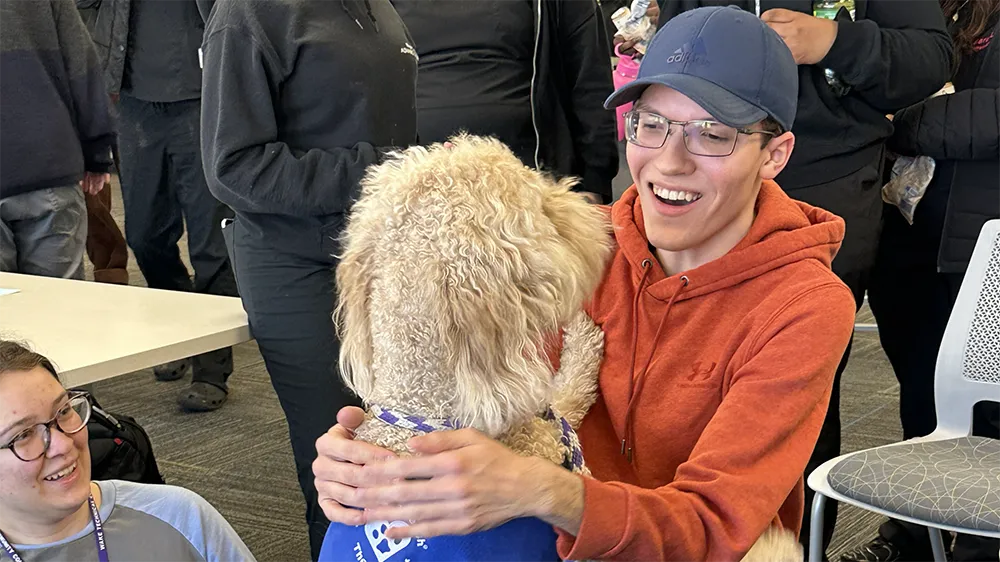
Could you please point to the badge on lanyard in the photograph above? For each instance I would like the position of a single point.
(95, 516)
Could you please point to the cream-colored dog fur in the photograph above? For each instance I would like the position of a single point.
(458, 263)
(775, 545)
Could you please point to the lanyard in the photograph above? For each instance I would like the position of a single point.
(95, 516)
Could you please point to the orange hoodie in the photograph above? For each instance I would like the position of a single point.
(713, 388)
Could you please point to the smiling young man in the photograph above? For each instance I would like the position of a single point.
(723, 328)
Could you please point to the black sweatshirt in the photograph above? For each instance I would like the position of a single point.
(895, 54)
(299, 97)
(55, 119)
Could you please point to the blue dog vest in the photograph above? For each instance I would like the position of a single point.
(520, 540)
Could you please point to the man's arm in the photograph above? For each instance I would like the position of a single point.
(583, 47)
(760, 439)
(961, 126)
(90, 107)
(897, 56)
(246, 166)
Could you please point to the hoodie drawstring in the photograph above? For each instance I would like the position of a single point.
(646, 268)
(368, 8)
(636, 382)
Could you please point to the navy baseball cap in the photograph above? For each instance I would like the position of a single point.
(727, 61)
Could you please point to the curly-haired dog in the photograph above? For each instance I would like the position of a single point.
(458, 264)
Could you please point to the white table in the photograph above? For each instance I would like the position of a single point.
(95, 331)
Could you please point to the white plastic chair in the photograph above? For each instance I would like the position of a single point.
(947, 480)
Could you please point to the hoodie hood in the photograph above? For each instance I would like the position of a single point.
(205, 8)
(784, 231)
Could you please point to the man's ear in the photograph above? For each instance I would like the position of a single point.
(777, 152)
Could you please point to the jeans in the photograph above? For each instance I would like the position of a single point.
(44, 232)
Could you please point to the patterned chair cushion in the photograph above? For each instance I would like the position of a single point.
(952, 482)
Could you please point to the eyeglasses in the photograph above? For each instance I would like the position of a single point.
(70, 418)
(701, 138)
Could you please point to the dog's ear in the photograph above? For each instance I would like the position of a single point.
(491, 331)
(355, 274)
(584, 244)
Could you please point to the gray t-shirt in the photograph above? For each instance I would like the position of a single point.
(147, 522)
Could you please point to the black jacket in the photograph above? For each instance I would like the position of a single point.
(108, 22)
(572, 80)
(547, 103)
(962, 133)
(55, 122)
(298, 99)
(895, 54)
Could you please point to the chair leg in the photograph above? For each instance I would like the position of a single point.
(937, 544)
(816, 529)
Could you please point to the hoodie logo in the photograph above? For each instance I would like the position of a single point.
(694, 52)
(699, 373)
(409, 50)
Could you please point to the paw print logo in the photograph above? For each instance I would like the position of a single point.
(383, 546)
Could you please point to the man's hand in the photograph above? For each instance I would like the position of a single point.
(93, 183)
(462, 482)
(338, 464)
(809, 38)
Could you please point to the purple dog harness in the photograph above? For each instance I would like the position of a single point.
(573, 456)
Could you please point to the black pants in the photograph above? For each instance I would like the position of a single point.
(857, 198)
(164, 189)
(912, 302)
(285, 270)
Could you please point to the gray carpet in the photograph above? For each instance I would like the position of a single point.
(239, 459)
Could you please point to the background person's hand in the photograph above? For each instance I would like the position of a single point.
(653, 12)
(338, 464)
(93, 183)
(808, 38)
(625, 47)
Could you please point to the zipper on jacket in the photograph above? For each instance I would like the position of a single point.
(534, 76)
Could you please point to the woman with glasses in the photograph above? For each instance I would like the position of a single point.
(49, 507)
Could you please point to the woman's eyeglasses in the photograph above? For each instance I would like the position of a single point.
(34, 441)
(701, 138)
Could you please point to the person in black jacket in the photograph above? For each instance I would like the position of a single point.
(853, 71)
(920, 267)
(149, 52)
(299, 98)
(532, 73)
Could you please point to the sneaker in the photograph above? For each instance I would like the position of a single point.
(175, 370)
(878, 550)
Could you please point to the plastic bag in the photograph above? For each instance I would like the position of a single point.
(909, 180)
(634, 25)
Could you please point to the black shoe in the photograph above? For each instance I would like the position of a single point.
(202, 397)
(878, 550)
(175, 370)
